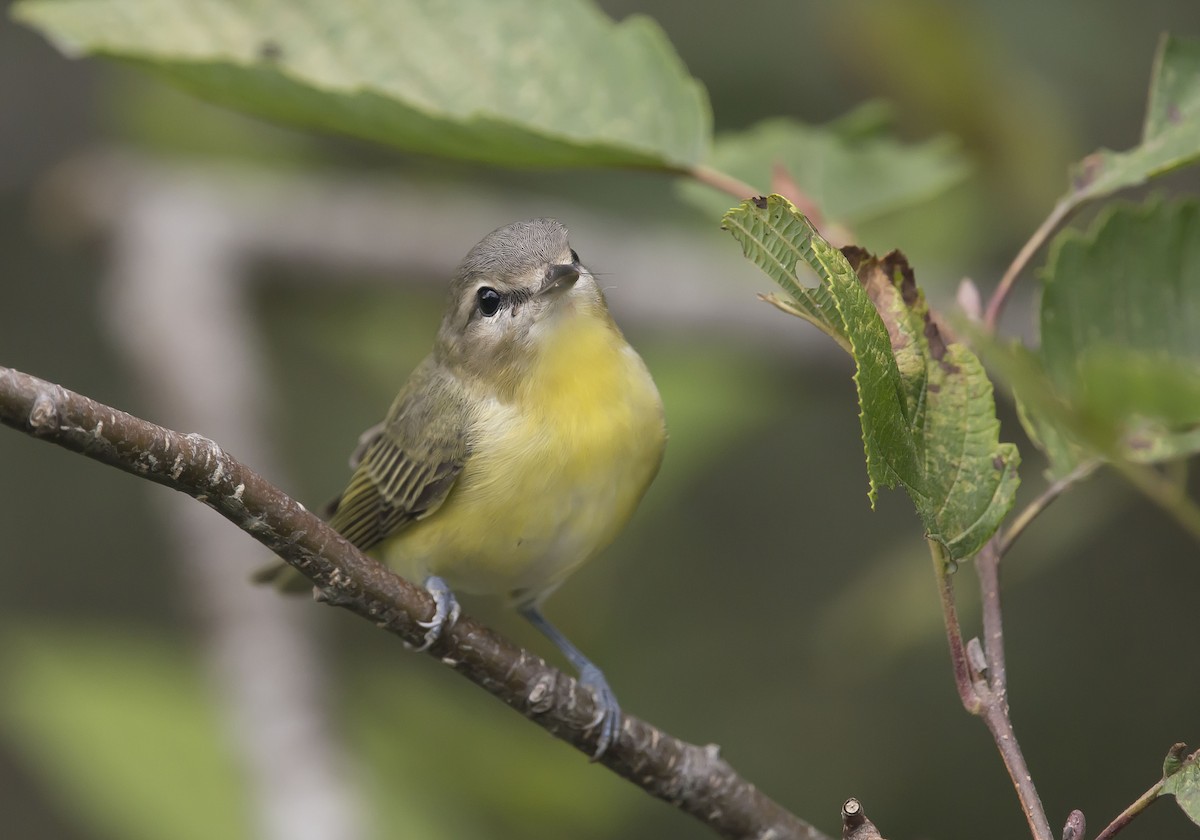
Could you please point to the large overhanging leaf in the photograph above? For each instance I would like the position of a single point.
(519, 82)
(926, 406)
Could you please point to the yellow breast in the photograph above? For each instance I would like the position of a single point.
(554, 473)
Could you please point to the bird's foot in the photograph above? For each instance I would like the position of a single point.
(446, 611)
(608, 712)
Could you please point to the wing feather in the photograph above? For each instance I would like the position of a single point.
(408, 465)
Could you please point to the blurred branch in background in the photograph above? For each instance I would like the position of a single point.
(176, 310)
(415, 230)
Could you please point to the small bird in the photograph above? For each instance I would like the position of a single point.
(518, 449)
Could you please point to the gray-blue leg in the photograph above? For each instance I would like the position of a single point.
(446, 610)
(608, 712)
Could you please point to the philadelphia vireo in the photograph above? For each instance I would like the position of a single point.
(518, 448)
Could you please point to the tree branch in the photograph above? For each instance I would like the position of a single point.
(693, 778)
(981, 679)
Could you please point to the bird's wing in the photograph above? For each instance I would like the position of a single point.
(409, 463)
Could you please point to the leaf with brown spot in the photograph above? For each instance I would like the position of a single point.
(926, 406)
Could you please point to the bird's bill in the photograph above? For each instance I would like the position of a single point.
(559, 278)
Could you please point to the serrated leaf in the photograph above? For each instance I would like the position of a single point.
(854, 169)
(1170, 134)
(1182, 780)
(969, 479)
(777, 238)
(926, 405)
(524, 82)
(1120, 331)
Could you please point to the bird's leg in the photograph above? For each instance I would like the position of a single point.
(608, 712)
(446, 611)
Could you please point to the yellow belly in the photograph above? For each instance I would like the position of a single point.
(554, 473)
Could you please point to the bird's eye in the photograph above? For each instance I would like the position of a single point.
(489, 301)
(574, 257)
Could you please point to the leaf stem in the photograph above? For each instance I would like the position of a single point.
(958, 650)
(1126, 817)
(723, 182)
(1034, 508)
(996, 304)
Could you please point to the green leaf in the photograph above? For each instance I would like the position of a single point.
(124, 730)
(777, 238)
(968, 478)
(853, 169)
(1182, 780)
(926, 405)
(1170, 134)
(1047, 419)
(524, 82)
(1120, 332)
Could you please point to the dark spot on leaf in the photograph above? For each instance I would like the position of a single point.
(856, 256)
(937, 346)
(1173, 115)
(998, 463)
(949, 369)
(1138, 442)
(1087, 171)
(270, 50)
(760, 201)
(897, 267)
(934, 388)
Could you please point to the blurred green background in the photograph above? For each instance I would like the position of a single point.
(755, 602)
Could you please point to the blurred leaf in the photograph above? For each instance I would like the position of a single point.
(1182, 780)
(928, 417)
(124, 730)
(417, 731)
(1120, 331)
(1170, 135)
(853, 169)
(525, 82)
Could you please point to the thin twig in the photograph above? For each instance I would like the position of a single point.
(1034, 508)
(987, 569)
(998, 723)
(693, 778)
(1126, 817)
(995, 698)
(723, 182)
(996, 304)
(986, 695)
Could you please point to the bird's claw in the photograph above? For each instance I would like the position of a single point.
(608, 712)
(446, 611)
